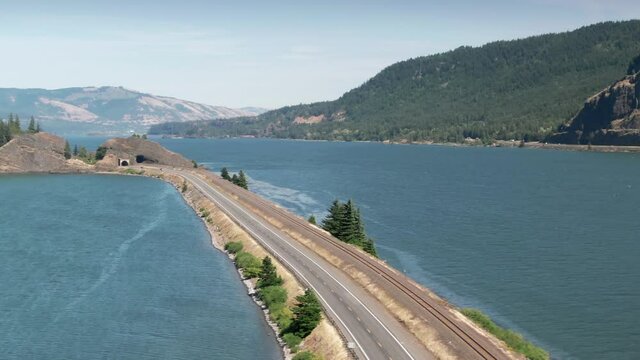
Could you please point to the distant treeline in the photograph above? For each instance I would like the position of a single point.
(12, 128)
(519, 89)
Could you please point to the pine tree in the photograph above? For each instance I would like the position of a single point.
(75, 150)
(224, 173)
(350, 227)
(234, 179)
(38, 129)
(369, 247)
(332, 222)
(307, 314)
(83, 153)
(268, 274)
(242, 180)
(5, 134)
(312, 219)
(32, 126)
(67, 150)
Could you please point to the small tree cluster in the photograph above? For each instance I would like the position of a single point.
(344, 222)
(12, 128)
(239, 179)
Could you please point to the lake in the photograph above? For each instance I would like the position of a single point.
(114, 267)
(546, 242)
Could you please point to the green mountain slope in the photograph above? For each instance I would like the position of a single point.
(503, 90)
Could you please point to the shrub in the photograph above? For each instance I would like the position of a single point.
(306, 355)
(514, 340)
(249, 264)
(292, 341)
(281, 314)
(233, 247)
(272, 295)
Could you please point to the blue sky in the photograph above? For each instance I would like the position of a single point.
(258, 53)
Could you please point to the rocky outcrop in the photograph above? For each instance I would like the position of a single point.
(139, 151)
(611, 117)
(35, 153)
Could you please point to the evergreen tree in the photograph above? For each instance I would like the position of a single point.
(332, 222)
(67, 150)
(350, 228)
(17, 125)
(5, 134)
(307, 314)
(242, 180)
(83, 153)
(75, 150)
(234, 179)
(38, 129)
(312, 219)
(268, 274)
(369, 247)
(101, 152)
(32, 126)
(224, 173)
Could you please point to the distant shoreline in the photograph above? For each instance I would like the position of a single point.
(497, 144)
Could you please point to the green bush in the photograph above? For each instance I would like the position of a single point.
(306, 355)
(233, 247)
(514, 340)
(292, 341)
(249, 264)
(272, 295)
(281, 315)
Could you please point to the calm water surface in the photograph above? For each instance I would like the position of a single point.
(107, 267)
(546, 242)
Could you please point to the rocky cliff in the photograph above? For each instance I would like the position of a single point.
(611, 117)
(35, 153)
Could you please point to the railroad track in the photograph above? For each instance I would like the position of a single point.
(407, 288)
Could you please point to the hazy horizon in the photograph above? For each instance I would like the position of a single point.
(257, 54)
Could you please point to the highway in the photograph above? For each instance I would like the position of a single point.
(374, 333)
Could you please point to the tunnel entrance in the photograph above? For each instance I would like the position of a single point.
(140, 159)
(123, 162)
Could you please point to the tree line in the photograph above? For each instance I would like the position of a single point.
(345, 223)
(13, 128)
(239, 179)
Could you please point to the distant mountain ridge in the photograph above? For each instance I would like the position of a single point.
(517, 89)
(111, 107)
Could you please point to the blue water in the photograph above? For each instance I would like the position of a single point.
(108, 267)
(546, 242)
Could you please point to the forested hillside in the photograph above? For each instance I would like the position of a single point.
(520, 89)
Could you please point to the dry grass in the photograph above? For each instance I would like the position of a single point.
(325, 341)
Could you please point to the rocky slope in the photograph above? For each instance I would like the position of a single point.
(611, 117)
(110, 106)
(35, 153)
(140, 151)
(44, 153)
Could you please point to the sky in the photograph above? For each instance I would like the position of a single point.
(258, 53)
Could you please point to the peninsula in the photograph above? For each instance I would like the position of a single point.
(370, 310)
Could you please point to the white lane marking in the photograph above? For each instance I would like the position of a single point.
(292, 267)
(318, 265)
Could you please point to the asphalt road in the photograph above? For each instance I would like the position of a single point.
(372, 331)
